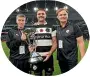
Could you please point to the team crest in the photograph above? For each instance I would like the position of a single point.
(67, 31)
(47, 30)
(17, 35)
(34, 67)
(41, 30)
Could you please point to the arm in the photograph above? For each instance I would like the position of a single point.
(80, 42)
(54, 45)
(54, 41)
(79, 38)
(11, 42)
(53, 48)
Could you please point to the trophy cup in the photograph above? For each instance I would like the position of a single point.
(35, 57)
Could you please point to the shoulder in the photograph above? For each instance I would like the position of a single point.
(36, 23)
(48, 25)
(76, 27)
(12, 29)
(72, 24)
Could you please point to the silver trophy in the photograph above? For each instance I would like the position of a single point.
(35, 57)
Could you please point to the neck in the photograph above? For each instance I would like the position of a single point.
(63, 24)
(20, 28)
(41, 22)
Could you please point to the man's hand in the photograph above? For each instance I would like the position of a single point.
(23, 36)
(31, 48)
(47, 55)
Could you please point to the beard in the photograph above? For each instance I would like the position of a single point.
(41, 19)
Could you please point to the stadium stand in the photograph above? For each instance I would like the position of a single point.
(27, 9)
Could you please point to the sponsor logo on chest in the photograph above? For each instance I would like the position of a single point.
(43, 30)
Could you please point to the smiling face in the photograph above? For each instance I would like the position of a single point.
(20, 22)
(62, 16)
(41, 15)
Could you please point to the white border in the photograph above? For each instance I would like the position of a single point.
(8, 70)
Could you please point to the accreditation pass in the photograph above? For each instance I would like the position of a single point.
(22, 49)
(60, 43)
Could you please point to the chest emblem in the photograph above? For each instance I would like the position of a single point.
(41, 30)
(47, 30)
(17, 35)
(67, 31)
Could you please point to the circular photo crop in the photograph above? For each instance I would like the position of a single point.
(45, 38)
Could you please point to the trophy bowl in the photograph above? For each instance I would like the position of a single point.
(35, 57)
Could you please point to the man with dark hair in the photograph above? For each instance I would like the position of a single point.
(68, 36)
(46, 44)
(16, 42)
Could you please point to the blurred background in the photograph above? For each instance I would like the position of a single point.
(29, 9)
(51, 6)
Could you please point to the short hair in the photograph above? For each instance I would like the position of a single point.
(61, 9)
(41, 10)
(20, 15)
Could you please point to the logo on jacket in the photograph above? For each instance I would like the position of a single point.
(67, 31)
(17, 35)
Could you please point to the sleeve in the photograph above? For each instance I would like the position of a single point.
(53, 31)
(11, 42)
(77, 31)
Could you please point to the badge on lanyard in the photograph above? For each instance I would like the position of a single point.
(22, 49)
(60, 44)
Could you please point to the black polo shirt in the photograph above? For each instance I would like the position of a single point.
(67, 43)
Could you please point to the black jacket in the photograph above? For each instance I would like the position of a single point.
(14, 42)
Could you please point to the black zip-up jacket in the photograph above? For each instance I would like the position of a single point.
(14, 42)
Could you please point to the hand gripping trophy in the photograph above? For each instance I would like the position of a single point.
(35, 57)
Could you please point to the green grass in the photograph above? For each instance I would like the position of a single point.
(56, 66)
(5, 48)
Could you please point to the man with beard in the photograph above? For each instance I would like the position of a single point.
(16, 42)
(68, 35)
(46, 44)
